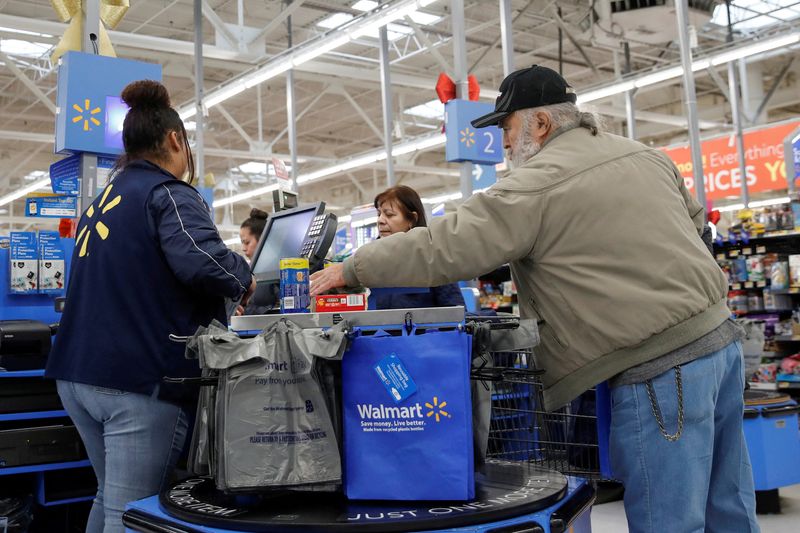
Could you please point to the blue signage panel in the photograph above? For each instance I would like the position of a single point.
(466, 143)
(65, 176)
(89, 110)
(51, 206)
(796, 155)
(483, 176)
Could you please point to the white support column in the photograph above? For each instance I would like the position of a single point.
(462, 86)
(198, 93)
(90, 19)
(690, 99)
(751, 78)
(736, 115)
(386, 101)
(291, 113)
(630, 108)
(507, 35)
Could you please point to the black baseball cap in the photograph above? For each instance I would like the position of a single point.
(535, 86)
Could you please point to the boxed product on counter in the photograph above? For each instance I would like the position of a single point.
(51, 263)
(24, 257)
(340, 303)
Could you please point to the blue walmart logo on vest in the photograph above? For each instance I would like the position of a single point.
(86, 114)
(101, 229)
(434, 409)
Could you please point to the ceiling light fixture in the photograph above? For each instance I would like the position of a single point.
(222, 202)
(670, 73)
(19, 193)
(442, 198)
(349, 31)
(758, 203)
(373, 157)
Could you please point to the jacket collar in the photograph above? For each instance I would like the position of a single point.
(144, 164)
(557, 133)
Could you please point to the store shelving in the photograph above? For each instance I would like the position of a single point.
(28, 469)
(33, 415)
(44, 472)
(786, 338)
(763, 386)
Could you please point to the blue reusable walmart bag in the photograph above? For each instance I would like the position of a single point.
(408, 417)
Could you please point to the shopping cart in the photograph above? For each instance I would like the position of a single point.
(572, 440)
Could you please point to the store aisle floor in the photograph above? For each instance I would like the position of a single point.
(610, 517)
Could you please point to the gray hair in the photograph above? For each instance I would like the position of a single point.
(566, 115)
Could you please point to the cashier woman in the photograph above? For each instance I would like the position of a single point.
(400, 209)
(148, 262)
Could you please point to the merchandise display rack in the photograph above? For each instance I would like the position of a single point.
(783, 243)
(40, 469)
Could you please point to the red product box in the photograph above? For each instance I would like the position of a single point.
(339, 303)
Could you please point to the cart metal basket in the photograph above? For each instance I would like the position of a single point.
(572, 440)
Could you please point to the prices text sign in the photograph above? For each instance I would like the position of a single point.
(764, 162)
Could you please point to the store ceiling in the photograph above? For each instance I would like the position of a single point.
(338, 95)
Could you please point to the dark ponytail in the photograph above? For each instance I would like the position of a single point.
(148, 122)
(256, 222)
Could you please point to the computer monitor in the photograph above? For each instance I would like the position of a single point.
(282, 238)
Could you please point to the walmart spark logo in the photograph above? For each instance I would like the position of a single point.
(437, 409)
(101, 229)
(467, 137)
(86, 115)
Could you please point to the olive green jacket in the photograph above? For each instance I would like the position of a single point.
(604, 245)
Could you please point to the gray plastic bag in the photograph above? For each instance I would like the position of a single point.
(272, 424)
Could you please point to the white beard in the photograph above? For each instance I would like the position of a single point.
(522, 151)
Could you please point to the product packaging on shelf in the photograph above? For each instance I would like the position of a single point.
(755, 268)
(24, 257)
(776, 302)
(739, 270)
(51, 263)
(737, 302)
(779, 275)
(794, 270)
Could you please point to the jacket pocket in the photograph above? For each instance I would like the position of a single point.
(549, 339)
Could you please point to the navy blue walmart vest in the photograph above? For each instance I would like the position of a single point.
(123, 300)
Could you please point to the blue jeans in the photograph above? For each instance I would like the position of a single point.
(701, 482)
(133, 442)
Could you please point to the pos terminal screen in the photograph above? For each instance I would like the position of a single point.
(283, 239)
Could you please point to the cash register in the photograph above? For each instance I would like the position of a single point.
(305, 231)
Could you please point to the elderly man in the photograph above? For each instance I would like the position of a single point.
(604, 244)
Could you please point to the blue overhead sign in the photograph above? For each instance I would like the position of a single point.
(51, 206)
(466, 143)
(483, 176)
(65, 176)
(89, 109)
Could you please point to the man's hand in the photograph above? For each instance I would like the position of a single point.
(327, 279)
(248, 293)
(239, 311)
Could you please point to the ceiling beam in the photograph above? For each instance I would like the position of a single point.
(12, 66)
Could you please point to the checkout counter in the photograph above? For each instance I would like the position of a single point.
(511, 496)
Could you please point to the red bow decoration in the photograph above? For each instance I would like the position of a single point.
(67, 227)
(446, 88)
(714, 217)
